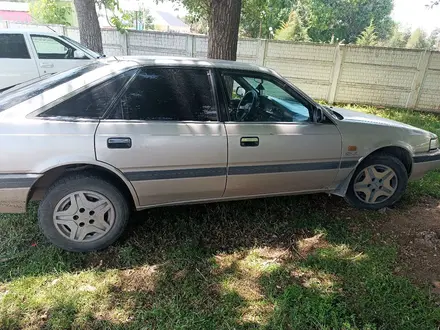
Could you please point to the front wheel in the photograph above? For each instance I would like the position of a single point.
(83, 213)
(378, 182)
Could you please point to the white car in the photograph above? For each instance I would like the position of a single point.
(27, 55)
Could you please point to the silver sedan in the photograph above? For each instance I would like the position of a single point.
(96, 142)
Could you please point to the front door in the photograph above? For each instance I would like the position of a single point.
(164, 135)
(273, 145)
(54, 55)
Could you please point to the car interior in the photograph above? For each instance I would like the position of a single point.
(259, 100)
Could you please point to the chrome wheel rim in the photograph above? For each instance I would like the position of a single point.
(84, 216)
(375, 184)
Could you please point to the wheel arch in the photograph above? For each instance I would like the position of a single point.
(105, 171)
(400, 152)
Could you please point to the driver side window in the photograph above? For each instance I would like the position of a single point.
(49, 48)
(257, 99)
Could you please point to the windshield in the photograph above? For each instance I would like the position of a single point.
(28, 90)
(81, 47)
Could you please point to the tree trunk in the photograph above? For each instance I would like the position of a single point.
(89, 30)
(224, 20)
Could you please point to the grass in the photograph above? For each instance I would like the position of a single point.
(307, 262)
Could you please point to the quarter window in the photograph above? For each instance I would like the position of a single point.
(91, 103)
(168, 94)
(49, 48)
(13, 46)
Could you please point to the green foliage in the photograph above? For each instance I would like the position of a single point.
(122, 19)
(368, 37)
(260, 17)
(418, 39)
(50, 11)
(142, 17)
(398, 38)
(346, 19)
(197, 24)
(293, 29)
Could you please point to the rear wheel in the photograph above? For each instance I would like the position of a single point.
(83, 213)
(378, 182)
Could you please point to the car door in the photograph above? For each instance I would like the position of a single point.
(54, 55)
(16, 64)
(164, 135)
(273, 145)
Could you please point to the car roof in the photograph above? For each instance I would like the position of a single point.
(27, 31)
(193, 62)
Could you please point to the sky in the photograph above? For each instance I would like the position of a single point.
(410, 13)
(414, 14)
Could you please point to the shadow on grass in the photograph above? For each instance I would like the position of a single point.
(302, 263)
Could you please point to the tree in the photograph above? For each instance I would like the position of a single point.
(434, 39)
(346, 19)
(368, 37)
(89, 30)
(293, 29)
(50, 11)
(258, 17)
(418, 39)
(197, 24)
(223, 22)
(139, 20)
(398, 38)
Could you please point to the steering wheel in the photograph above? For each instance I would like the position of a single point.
(247, 103)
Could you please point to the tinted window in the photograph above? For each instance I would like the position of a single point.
(51, 48)
(13, 46)
(27, 90)
(91, 103)
(168, 94)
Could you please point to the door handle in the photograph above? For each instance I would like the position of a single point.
(249, 141)
(119, 143)
(46, 65)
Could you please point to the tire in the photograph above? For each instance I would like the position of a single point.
(363, 183)
(101, 215)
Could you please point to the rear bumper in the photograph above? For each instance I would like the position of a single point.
(14, 190)
(424, 163)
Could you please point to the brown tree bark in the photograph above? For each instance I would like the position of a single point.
(224, 20)
(89, 30)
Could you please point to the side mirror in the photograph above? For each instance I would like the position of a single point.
(240, 91)
(318, 115)
(79, 54)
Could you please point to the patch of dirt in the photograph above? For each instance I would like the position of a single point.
(417, 232)
(139, 279)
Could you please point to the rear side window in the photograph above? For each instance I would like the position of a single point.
(169, 94)
(28, 90)
(91, 103)
(13, 46)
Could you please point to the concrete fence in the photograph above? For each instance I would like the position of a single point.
(348, 74)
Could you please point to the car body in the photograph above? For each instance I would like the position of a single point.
(155, 131)
(27, 55)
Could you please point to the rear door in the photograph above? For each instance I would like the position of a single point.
(16, 64)
(54, 55)
(164, 135)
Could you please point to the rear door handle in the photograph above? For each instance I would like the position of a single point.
(46, 65)
(249, 141)
(119, 143)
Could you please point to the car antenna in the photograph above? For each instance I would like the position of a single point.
(43, 24)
